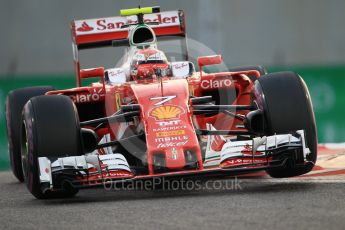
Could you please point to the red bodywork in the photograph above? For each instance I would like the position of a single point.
(183, 136)
(169, 126)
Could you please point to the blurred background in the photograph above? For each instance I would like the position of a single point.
(306, 36)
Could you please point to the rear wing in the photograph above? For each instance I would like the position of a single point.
(100, 32)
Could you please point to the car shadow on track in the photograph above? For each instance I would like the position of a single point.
(102, 195)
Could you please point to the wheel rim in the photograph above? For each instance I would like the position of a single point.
(24, 150)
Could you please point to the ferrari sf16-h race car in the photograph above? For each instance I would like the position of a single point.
(151, 118)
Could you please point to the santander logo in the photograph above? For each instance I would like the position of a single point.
(84, 27)
(114, 24)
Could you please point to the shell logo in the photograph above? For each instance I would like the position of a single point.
(166, 112)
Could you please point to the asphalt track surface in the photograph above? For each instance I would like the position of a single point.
(312, 202)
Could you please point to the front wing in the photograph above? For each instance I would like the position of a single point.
(235, 157)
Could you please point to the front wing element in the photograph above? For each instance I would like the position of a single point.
(87, 168)
(262, 150)
(235, 156)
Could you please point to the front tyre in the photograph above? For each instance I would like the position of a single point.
(15, 102)
(287, 106)
(50, 128)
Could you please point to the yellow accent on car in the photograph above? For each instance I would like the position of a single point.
(117, 101)
(170, 133)
(136, 11)
(166, 112)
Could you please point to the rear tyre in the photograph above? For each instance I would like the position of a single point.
(287, 106)
(50, 128)
(15, 102)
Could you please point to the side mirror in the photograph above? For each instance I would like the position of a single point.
(182, 69)
(209, 60)
(116, 76)
(93, 72)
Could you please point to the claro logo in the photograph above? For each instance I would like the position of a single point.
(217, 83)
(95, 95)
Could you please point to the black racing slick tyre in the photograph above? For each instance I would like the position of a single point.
(287, 106)
(50, 128)
(15, 102)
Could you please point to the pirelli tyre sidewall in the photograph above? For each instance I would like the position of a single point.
(287, 106)
(15, 102)
(50, 128)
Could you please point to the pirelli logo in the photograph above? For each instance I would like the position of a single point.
(170, 133)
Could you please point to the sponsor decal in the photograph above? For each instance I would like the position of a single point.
(118, 173)
(155, 57)
(171, 144)
(246, 161)
(163, 18)
(168, 128)
(180, 69)
(167, 142)
(170, 133)
(103, 24)
(166, 112)
(115, 72)
(114, 24)
(116, 76)
(169, 139)
(232, 162)
(88, 97)
(168, 123)
(181, 65)
(117, 101)
(84, 27)
(93, 26)
(217, 83)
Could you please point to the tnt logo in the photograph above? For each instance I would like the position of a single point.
(169, 123)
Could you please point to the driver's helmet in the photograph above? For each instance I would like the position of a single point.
(149, 63)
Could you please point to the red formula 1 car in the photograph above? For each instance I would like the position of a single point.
(153, 118)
